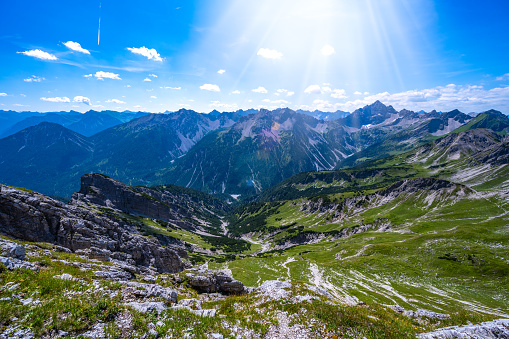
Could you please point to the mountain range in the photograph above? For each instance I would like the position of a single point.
(236, 153)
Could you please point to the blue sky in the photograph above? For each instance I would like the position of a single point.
(203, 55)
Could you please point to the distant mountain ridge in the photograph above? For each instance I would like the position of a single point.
(87, 124)
(233, 153)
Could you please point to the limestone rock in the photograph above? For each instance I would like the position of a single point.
(11, 249)
(153, 290)
(148, 306)
(208, 281)
(35, 217)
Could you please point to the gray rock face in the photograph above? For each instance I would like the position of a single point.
(13, 263)
(490, 329)
(275, 289)
(35, 217)
(153, 290)
(117, 275)
(208, 281)
(11, 249)
(148, 306)
(101, 190)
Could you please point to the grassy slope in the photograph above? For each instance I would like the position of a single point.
(446, 256)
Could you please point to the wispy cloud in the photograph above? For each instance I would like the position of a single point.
(175, 88)
(221, 71)
(269, 53)
(210, 87)
(3, 94)
(503, 77)
(76, 47)
(147, 79)
(224, 106)
(236, 92)
(115, 101)
(152, 75)
(56, 99)
(149, 53)
(37, 53)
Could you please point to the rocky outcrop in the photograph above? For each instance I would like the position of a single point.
(35, 217)
(104, 191)
(490, 329)
(208, 281)
(11, 249)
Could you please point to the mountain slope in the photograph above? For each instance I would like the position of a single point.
(131, 152)
(259, 151)
(406, 131)
(45, 157)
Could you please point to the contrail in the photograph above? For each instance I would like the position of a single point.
(99, 30)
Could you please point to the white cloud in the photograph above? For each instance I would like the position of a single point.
(137, 106)
(82, 99)
(128, 86)
(236, 92)
(313, 89)
(152, 75)
(339, 94)
(37, 53)
(210, 87)
(175, 88)
(56, 99)
(34, 78)
(88, 75)
(100, 75)
(23, 95)
(323, 105)
(228, 107)
(327, 50)
(357, 93)
(269, 53)
(153, 97)
(115, 101)
(443, 98)
(76, 47)
(150, 53)
(283, 91)
(260, 89)
(326, 89)
(277, 102)
(221, 71)
(3, 94)
(147, 79)
(503, 77)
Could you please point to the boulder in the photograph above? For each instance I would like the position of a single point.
(153, 290)
(148, 306)
(208, 281)
(11, 249)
